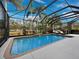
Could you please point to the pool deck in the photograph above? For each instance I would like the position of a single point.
(63, 49)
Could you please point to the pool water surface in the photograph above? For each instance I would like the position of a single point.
(26, 44)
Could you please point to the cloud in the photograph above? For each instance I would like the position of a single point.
(68, 14)
(39, 1)
(32, 17)
(62, 5)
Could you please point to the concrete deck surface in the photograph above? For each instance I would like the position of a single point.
(63, 49)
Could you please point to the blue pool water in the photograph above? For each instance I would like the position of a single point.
(26, 44)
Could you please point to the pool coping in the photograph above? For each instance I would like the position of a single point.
(7, 53)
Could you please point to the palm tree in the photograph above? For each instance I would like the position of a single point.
(16, 3)
(34, 10)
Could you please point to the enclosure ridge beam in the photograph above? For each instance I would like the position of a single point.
(72, 6)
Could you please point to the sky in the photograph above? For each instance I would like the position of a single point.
(36, 3)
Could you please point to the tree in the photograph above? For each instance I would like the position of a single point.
(14, 25)
(16, 3)
(34, 10)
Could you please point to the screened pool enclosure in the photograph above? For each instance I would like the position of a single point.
(29, 17)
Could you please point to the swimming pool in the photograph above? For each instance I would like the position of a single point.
(27, 44)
